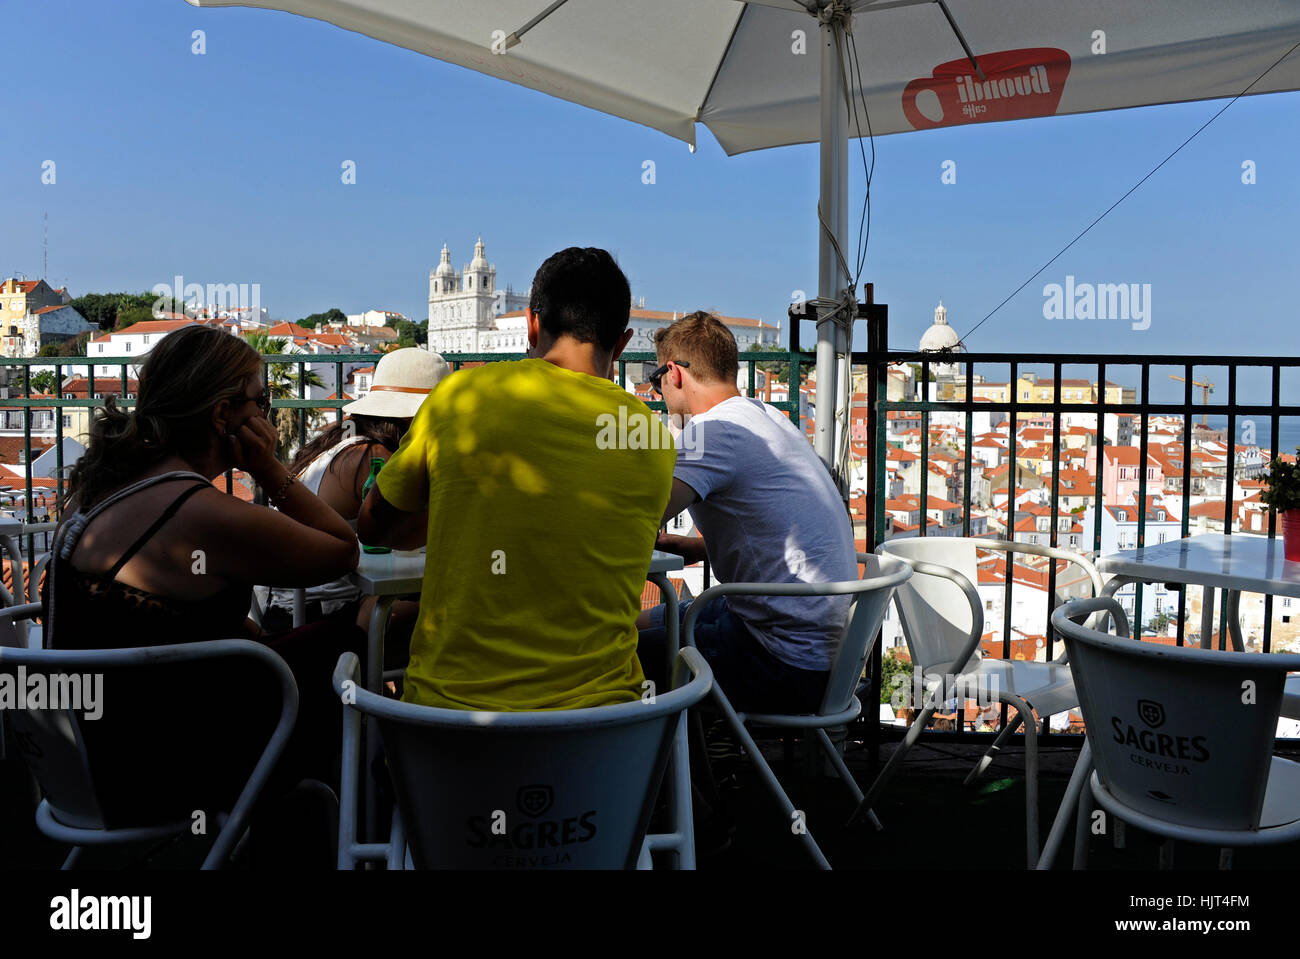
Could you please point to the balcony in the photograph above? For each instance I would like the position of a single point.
(976, 437)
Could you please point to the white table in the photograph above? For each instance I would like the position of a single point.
(388, 576)
(1239, 563)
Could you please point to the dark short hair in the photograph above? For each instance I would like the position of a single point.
(582, 293)
(703, 341)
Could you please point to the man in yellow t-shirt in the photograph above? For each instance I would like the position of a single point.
(538, 486)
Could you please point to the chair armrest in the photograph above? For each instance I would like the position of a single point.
(21, 611)
(1009, 546)
(844, 587)
(1097, 604)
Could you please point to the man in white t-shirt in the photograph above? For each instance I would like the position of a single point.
(767, 511)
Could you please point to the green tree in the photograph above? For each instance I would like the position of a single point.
(411, 334)
(282, 384)
(332, 315)
(105, 309)
(895, 679)
(45, 381)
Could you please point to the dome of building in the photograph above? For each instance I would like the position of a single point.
(445, 268)
(940, 336)
(480, 261)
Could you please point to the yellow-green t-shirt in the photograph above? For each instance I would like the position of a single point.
(545, 488)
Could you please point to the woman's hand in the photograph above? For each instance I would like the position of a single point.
(252, 448)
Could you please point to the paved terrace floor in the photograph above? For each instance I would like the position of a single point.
(931, 821)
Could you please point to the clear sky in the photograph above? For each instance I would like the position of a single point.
(226, 168)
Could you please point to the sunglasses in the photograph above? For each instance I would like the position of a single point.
(658, 374)
(263, 401)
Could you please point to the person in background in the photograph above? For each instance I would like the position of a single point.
(767, 512)
(335, 466)
(539, 515)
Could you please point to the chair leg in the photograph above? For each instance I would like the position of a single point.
(987, 759)
(396, 844)
(843, 770)
(1078, 782)
(1166, 860)
(1083, 826)
(1031, 777)
(765, 773)
(891, 767)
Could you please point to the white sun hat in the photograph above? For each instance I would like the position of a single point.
(403, 378)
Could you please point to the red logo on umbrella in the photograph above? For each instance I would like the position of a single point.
(1017, 84)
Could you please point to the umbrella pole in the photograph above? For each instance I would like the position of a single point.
(833, 203)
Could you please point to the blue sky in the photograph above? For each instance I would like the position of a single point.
(225, 168)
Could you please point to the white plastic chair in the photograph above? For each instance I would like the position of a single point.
(943, 621)
(840, 704)
(568, 789)
(88, 804)
(1182, 738)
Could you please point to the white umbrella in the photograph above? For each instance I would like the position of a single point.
(773, 72)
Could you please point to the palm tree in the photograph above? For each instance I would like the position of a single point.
(284, 385)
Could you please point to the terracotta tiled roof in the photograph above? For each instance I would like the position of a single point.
(651, 597)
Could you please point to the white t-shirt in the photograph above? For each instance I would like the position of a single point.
(770, 513)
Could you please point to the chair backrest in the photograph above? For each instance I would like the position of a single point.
(566, 789)
(126, 738)
(1181, 735)
(882, 575)
(937, 617)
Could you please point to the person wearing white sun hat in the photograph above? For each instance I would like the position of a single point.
(336, 463)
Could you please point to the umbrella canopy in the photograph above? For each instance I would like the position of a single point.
(750, 72)
(773, 72)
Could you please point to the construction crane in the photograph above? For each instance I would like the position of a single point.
(1206, 389)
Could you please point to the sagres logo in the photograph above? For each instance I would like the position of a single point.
(533, 801)
(533, 840)
(1164, 752)
(1016, 84)
(1151, 713)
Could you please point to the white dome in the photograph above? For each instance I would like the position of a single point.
(480, 261)
(940, 336)
(445, 268)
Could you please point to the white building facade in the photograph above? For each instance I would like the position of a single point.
(469, 314)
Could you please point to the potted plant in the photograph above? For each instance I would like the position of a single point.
(1283, 498)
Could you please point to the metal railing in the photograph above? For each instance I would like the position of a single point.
(875, 364)
(20, 371)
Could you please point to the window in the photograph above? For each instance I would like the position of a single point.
(128, 346)
(146, 339)
(988, 605)
(101, 347)
(67, 422)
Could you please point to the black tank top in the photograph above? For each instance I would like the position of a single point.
(93, 611)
